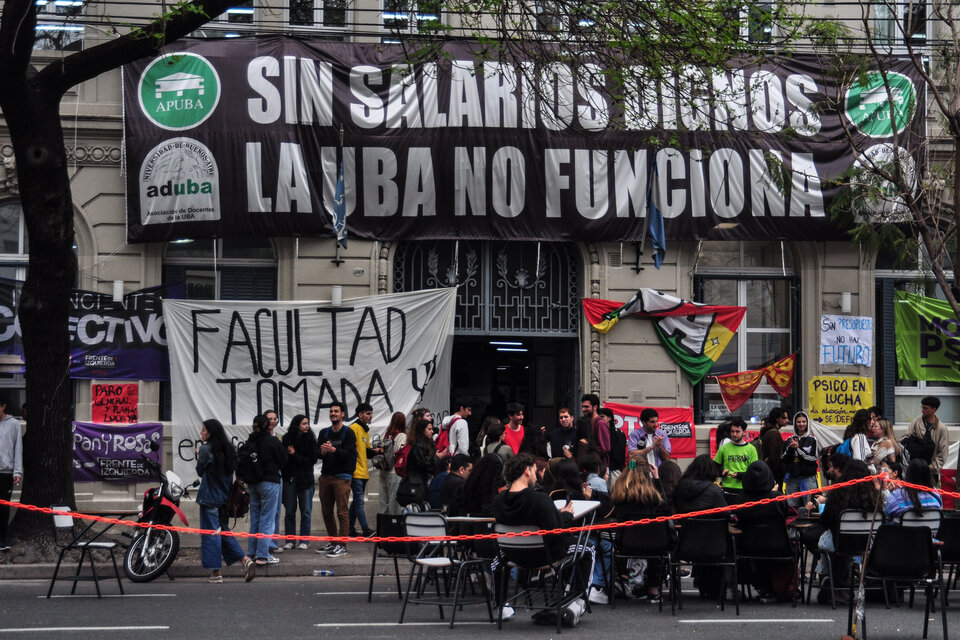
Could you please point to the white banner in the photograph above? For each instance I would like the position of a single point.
(231, 360)
(846, 340)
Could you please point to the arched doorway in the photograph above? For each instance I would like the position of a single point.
(518, 315)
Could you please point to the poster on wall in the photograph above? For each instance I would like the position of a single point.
(834, 399)
(676, 421)
(247, 137)
(115, 453)
(114, 403)
(927, 338)
(108, 340)
(232, 360)
(846, 340)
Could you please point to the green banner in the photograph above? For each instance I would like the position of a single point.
(928, 338)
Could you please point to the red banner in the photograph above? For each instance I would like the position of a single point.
(948, 482)
(115, 403)
(676, 421)
(736, 388)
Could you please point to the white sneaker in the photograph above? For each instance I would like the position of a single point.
(596, 596)
(276, 550)
(289, 545)
(507, 613)
(303, 546)
(275, 560)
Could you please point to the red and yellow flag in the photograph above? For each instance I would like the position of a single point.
(736, 388)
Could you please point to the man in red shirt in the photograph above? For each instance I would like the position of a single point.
(513, 431)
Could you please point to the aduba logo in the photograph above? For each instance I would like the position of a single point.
(179, 91)
(179, 182)
(869, 106)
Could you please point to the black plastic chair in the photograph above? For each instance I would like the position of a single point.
(767, 540)
(644, 541)
(86, 542)
(905, 555)
(851, 542)
(949, 535)
(706, 541)
(389, 526)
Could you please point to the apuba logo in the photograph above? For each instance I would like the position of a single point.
(179, 91)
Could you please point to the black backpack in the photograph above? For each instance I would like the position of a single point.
(618, 449)
(249, 468)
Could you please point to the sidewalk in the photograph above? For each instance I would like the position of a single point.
(187, 565)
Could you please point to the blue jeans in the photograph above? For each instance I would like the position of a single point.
(214, 547)
(602, 565)
(264, 498)
(359, 487)
(291, 498)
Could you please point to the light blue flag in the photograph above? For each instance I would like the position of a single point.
(340, 210)
(658, 238)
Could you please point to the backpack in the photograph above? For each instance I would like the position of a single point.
(385, 460)
(618, 449)
(443, 440)
(400, 461)
(844, 448)
(238, 503)
(249, 468)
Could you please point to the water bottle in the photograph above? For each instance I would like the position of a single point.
(323, 572)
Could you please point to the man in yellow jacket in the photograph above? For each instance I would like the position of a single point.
(361, 428)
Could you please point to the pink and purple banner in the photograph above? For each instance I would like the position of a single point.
(115, 453)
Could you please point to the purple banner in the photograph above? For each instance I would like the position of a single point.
(115, 453)
(108, 340)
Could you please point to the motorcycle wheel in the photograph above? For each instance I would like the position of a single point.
(143, 563)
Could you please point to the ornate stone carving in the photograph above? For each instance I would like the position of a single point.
(594, 270)
(94, 154)
(8, 170)
(384, 258)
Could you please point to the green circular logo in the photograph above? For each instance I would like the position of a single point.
(869, 107)
(179, 90)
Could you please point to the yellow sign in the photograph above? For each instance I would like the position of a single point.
(834, 399)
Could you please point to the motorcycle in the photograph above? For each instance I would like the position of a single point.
(152, 551)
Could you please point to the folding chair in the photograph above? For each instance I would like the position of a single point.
(436, 557)
(389, 526)
(554, 573)
(706, 541)
(930, 518)
(645, 541)
(63, 527)
(855, 527)
(906, 555)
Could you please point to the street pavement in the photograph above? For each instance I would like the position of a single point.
(312, 607)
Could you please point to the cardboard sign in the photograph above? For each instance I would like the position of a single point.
(115, 403)
(676, 421)
(846, 340)
(834, 399)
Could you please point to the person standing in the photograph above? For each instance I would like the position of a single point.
(298, 484)
(927, 427)
(265, 493)
(338, 453)
(799, 459)
(393, 440)
(599, 429)
(272, 421)
(650, 440)
(563, 440)
(11, 466)
(216, 462)
(458, 431)
(361, 473)
(513, 431)
(734, 458)
(771, 442)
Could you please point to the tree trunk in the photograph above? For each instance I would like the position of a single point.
(33, 120)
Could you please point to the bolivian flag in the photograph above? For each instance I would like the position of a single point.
(694, 334)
